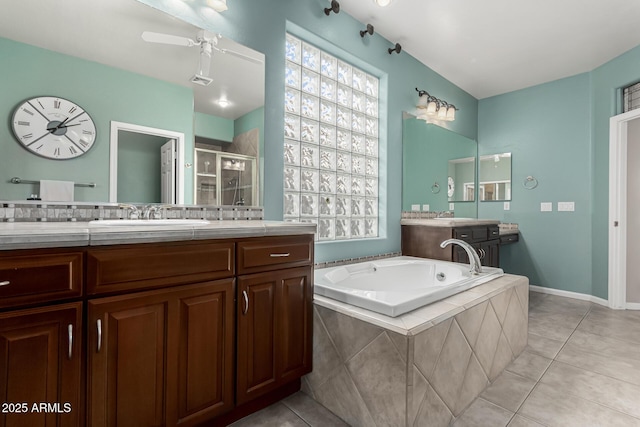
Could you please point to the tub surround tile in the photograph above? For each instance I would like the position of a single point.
(379, 374)
(483, 414)
(424, 374)
(500, 304)
(529, 365)
(509, 391)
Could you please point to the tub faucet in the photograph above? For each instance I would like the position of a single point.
(474, 259)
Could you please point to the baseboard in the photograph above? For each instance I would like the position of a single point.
(632, 306)
(574, 295)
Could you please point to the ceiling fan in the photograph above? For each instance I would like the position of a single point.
(207, 41)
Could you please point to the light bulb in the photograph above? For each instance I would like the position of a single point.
(451, 114)
(442, 113)
(432, 108)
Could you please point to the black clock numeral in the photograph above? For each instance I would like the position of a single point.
(72, 149)
(29, 112)
(84, 143)
(83, 120)
(39, 147)
(72, 110)
(87, 132)
(56, 152)
(21, 123)
(41, 104)
(27, 136)
(56, 103)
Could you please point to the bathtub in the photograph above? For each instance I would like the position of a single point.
(394, 286)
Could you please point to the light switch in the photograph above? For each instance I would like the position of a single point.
(425, 208)
(566, 206)
(415, 208)
(546, 207)
(451, 206)
(507, 206)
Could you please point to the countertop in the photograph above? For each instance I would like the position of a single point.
(31, 235)
(449, 222)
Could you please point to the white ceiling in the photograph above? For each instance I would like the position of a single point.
(492, 47)
(109, 32)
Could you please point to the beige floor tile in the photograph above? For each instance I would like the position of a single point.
(529, 365)
(543, 346)
(616, 394)
(482, 413)
(508, 391)
(275, 415)
(519, 421)
(606, 346)
(545, 328)
(617, 367)
(311, 412)
(555, 409)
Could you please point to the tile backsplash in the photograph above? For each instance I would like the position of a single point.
(69, 212)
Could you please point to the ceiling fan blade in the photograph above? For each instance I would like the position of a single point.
(152, 37)
(241, 56)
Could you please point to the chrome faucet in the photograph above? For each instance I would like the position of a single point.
(474, 259)
(149, 211)
(135, 213)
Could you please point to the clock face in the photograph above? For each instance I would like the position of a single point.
(451, 187)
(53, 127)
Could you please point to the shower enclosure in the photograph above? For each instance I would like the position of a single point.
(224, 178)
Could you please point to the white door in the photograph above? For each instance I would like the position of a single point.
(168, 171)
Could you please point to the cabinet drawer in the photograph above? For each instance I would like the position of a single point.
(135, 267)
(509, 238)
(470, 234)
(271, 253)
(493, 232)
(39, 277)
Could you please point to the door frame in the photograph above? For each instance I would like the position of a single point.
(113, 156)
(618, 209)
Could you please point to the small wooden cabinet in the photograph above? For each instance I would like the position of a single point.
(424, 241)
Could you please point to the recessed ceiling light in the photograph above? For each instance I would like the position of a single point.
(382, 3)
(223, 103)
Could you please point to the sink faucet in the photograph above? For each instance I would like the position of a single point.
(149, 211)
(135, 213)
(474, 259)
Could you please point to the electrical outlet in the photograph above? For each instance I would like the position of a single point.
(507, 206)
(425, 208)
(566, 206)
(546, 207)
(415, 208)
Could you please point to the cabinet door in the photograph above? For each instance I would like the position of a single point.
(40, 362)
(128, 342)
(206, 317)
(274, 330)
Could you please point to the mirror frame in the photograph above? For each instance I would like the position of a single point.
(113, 156)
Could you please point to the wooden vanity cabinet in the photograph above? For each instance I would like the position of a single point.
(424, 241)
(274, 314)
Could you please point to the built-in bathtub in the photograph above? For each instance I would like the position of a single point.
(395, 286)
(419, 368)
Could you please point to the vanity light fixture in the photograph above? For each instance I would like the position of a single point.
(369, 31)
(218, 5)
(396, 49)
(431, 108)
(335, 8)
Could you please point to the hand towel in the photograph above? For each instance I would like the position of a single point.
(56, 191)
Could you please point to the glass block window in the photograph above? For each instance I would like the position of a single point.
(631, 97)
(331, 144)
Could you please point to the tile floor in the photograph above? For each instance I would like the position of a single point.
(580, 368)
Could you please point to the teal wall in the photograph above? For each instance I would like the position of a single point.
(261, 25)
(106, 93)
(559, 133)
(254, 120)
(213, 127)
(139, 168)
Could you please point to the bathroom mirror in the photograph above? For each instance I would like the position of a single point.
(101, 63)
(427, 150)
(494, 182)
(461, 174)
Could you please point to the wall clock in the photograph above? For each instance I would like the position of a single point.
(53, 127)
(451, 187)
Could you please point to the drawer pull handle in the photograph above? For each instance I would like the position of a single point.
(70, 332)
(246, 302)
(5, 283)
(283, 255)
(464, 235)
(99, 326)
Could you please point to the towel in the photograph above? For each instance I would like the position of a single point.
(56, 191)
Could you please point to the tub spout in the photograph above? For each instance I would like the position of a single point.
(474, 259)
